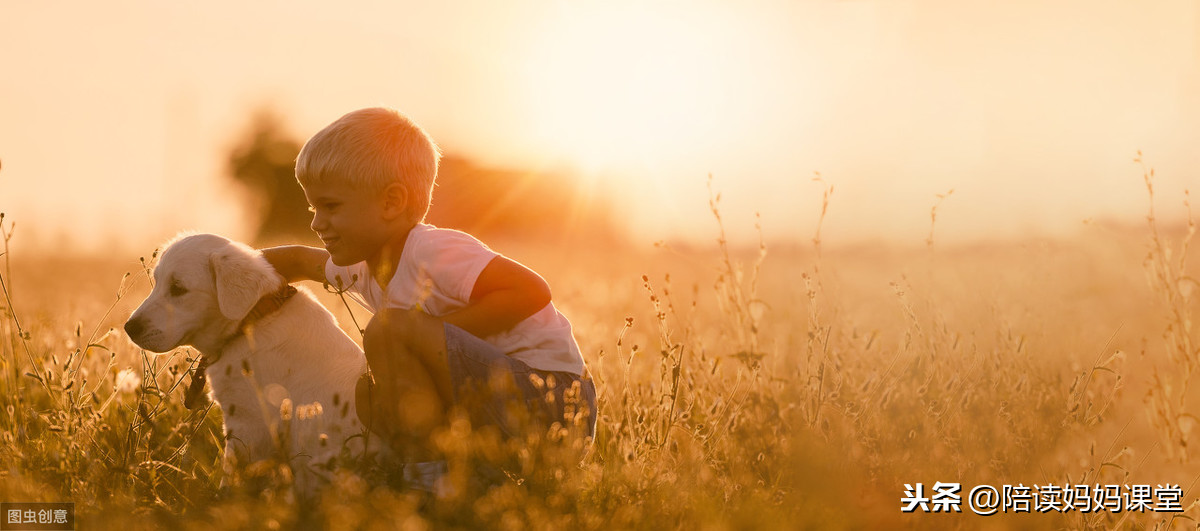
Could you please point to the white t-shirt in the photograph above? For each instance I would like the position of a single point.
(437, 272)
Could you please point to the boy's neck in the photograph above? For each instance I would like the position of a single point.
(383, 265)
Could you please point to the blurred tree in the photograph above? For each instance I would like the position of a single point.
(264, 162)
(549, 207)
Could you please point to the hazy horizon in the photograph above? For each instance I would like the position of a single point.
(116, 132)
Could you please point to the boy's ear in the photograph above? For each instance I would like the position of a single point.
(395, 201)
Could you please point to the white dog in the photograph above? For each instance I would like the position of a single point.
(282, 371)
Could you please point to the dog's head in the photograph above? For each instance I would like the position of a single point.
(204, 285)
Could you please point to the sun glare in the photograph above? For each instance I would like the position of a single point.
(618, 87)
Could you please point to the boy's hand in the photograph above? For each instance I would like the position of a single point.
(298, 262)
(505, 294)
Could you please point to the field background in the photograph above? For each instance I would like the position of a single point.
(992, 295)
(809, 383)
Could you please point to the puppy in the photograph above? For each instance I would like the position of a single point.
(282, 371)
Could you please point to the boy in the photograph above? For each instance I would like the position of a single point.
(453, 320)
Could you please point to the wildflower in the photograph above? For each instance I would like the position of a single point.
(128, 381)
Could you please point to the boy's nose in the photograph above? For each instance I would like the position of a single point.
(317, 224)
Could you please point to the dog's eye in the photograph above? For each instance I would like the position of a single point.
(177, 289)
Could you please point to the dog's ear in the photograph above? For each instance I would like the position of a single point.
(243, 276)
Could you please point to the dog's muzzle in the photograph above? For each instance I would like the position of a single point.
(134, 328)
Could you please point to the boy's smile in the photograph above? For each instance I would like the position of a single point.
(350, 222)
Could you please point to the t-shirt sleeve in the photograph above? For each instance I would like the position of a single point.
(453, 261)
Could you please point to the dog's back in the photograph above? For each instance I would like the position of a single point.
(296, 357)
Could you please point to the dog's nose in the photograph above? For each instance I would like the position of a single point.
(134, 327)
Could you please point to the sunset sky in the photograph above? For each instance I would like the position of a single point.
(116, 117)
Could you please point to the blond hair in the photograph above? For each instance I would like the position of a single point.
(373, 148)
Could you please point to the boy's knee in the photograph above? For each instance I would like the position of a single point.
(394, 332)
(386, 329)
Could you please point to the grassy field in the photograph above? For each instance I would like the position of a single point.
(786, 386)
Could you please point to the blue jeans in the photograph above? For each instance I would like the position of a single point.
(490, 385)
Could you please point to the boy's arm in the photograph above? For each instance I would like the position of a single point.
(505, 294)
(298, 262)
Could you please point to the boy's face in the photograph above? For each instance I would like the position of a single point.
(349, 221)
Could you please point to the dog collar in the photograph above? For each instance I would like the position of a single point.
(265, 306)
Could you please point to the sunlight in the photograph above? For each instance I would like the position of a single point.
(614, 87)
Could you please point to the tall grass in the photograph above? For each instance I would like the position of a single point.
(1171, 400)
(800, 388)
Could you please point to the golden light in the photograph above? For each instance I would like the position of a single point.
(613, 87)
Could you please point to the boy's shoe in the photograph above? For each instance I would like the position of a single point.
(430, 477)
